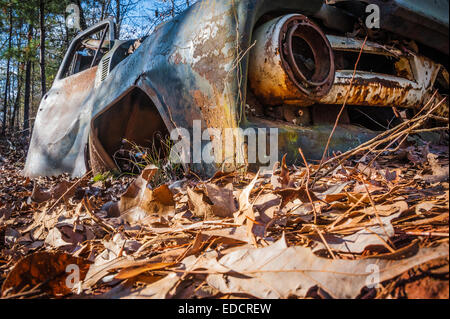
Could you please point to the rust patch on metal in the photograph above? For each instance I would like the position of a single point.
(177, 58)
(210, 54)
(199, 98)
(80, 82)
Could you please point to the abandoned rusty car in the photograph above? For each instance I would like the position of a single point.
(285, 64)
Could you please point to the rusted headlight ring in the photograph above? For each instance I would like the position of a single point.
(321, 81)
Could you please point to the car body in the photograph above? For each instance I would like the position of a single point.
(224, 64)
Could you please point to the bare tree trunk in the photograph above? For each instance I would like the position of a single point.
(26, 105)
(7, 84)
(15, 106)
(67, 32)
(118, 17)
(17, 101)
(42, 47)
(102, 10)
(33, 89)
(105, 5)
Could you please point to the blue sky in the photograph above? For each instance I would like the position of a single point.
(140, 21)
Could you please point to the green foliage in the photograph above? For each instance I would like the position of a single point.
(101, 177)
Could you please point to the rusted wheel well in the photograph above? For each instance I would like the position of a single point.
(132, 117)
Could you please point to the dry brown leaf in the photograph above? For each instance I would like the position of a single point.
(142, 205)
(44, 267)
(334, 193)
(149, 172)
(438, 220)
(280, 272)
(440, 173)
(116, 246)
(55, 239)
(354, 198)
(97, 272)
(363, 188)
(162, 288)
(356, 243)
(283, 180)
(158, 290)
(62, 188)
(224, 204)
(164, 195)
(386, 210)
(290, 194)
(392, 176)
(335, 197)
(133, 196)
(236, 234)
(5, 214)
(246, 213)
(131, 272)
(368, 171)
(428, 207)
(267, 206)
(219, 175)
(11, 236)
(198, 205)
(38, 195)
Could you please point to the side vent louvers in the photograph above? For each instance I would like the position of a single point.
(105, 68)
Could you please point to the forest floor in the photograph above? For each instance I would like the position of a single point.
(374, 226)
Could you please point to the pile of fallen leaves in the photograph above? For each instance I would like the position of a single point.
(375, 226)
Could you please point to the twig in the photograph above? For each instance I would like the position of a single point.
(88, 207)
(377, 215)
(439, 118)
(33, 291)
(434, 129)
(385, 137)
(380, 238)
(69, 189)
(344, 104)
(307, 187)
(426, 234)
(324, 242)
(340, 218)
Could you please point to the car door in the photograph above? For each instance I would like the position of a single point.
(57, 124)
